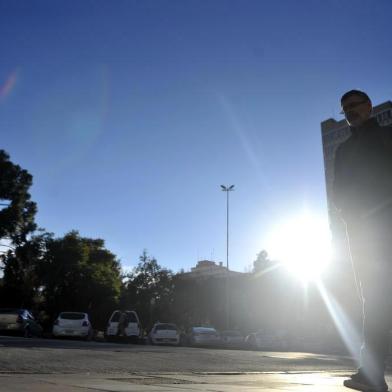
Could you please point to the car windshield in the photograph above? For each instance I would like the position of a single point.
(11, 311)
(131, 318)
(72, 316)
(204, 330)
(116, 317)
(165, 327)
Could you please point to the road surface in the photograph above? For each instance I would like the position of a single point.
(70, 365)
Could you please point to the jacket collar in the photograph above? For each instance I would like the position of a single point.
(366, 126)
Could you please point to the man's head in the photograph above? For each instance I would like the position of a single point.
(356, 106)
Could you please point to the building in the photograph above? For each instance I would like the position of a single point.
(334, 133)
(207, 269)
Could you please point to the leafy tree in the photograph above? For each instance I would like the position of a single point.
(80, 274)
(17, 211)
(262, 262)
(149, 290)
(200, 301)
(21, 285)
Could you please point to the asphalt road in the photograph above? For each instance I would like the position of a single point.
(47, 356)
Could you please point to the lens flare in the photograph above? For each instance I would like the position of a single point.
(8, 85)
(345, 327)
(302, 244)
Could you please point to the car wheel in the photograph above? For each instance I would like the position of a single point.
(132, 339)
(183, 340)
(110, 339)
(27, 332)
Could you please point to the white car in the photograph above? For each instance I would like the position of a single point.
(76, 324)
(125, 325)
(163, 333)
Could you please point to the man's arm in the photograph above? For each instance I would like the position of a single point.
(340, 189)
(387, 137)
(336, 185)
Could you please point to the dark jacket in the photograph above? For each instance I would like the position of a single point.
(363, 172)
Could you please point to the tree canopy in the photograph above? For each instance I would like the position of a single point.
(149, 290)
(21, 286)
(17, 211)
(80, 274)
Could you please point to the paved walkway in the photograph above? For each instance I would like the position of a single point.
(207, 382)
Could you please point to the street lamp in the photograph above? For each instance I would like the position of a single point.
(227, 189)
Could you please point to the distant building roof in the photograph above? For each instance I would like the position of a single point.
(208, 268)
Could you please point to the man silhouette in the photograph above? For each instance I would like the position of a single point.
(363, 196)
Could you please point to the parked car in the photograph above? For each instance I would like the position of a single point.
(124, 325)
(164, 333)
(262, 340)
(75, 324)
(20, 321)
(203, 336)
(232, 338)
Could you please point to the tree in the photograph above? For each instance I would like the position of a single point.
(149, 290)
(21, 284)
(262, 262)
(199, 301)
(18, 211)
(80, 274)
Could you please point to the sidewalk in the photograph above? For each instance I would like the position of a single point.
(216, 382)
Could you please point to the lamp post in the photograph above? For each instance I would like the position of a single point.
(227, 189)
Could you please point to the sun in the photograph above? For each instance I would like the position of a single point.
(302, 244)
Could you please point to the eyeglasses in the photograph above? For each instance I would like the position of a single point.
(351, 106)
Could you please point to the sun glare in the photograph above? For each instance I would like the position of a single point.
(302, 244)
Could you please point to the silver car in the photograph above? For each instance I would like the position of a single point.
(203, 336)
(232, 339)
(20, 321)
(262, 340)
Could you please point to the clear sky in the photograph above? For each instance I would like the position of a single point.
(130, 114)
